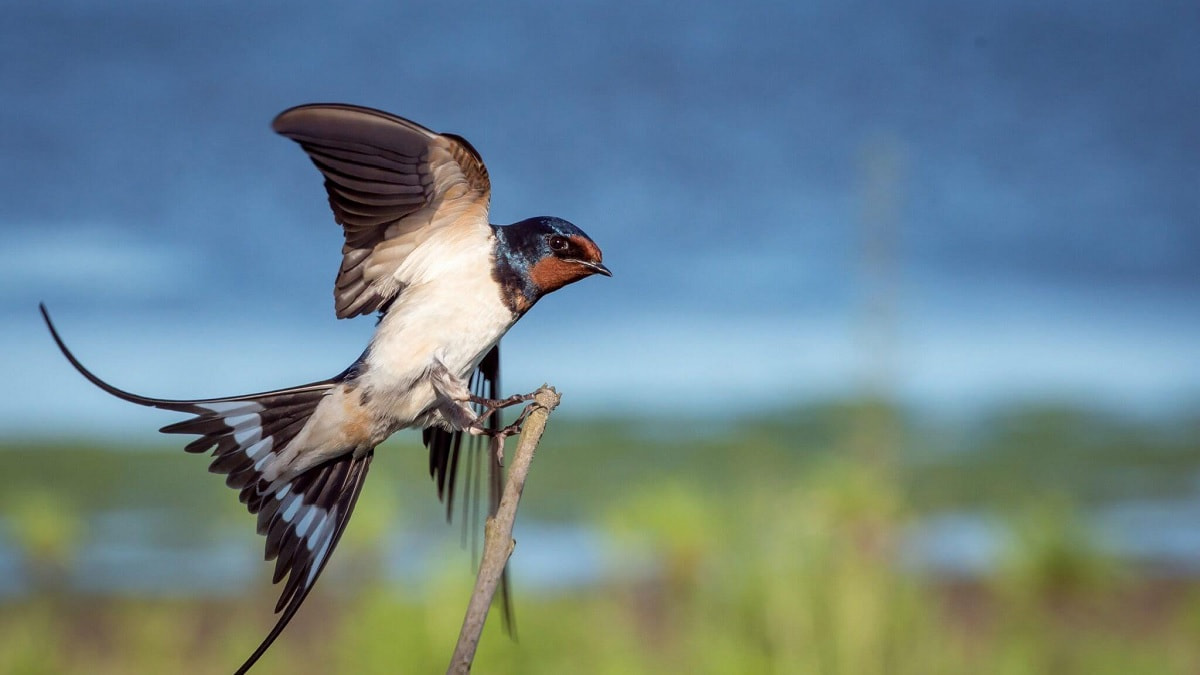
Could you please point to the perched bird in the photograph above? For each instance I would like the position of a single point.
(419, 250)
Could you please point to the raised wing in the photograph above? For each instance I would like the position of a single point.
(391, 183)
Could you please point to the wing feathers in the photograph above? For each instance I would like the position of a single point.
(385, 178)
(404, 170)
(359, 184)
(347, 197)
(388, 180)
(384, 146)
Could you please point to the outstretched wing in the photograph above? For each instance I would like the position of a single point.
(391, 182)
(302, 517)
(446, 456)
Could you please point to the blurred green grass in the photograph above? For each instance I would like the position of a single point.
(772, 544)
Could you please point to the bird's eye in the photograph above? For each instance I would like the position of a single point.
(558, 243)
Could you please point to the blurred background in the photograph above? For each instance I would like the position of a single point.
(899, 371)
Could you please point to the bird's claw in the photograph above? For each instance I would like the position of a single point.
(498, 436)
(488, 406)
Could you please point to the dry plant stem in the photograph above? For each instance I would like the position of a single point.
(497, 538)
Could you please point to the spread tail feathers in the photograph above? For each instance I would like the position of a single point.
(307, 518)
(303, 517)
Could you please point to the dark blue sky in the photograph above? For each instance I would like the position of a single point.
(1034, 166)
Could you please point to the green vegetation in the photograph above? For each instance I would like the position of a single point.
(768, 546)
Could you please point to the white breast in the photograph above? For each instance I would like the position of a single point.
(450, 310)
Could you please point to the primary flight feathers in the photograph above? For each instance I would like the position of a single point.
(391, 184)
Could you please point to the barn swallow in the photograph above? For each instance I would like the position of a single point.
(447, 285)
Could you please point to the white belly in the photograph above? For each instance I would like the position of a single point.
(453, 318)
(450, 312)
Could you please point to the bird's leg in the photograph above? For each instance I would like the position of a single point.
(454, 395)
(490, 405)
(515, 427)
(498, 436)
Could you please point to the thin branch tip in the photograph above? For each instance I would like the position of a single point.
(498, 530)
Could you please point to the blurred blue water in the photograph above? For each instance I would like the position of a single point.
(144, 552)
(139, 552)
(1040, 190)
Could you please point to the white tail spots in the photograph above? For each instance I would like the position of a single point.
(239, 422)
(226, 407)
(302, 526)
(318, 531)
(293, 505)
(247, 434)
(312, 514)
(326, 542)
(262, 461)
(263, 445)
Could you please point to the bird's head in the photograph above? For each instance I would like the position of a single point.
(563, 253)
(547, 253)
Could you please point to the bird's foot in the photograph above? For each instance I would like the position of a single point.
(498, 436)
(489, 406)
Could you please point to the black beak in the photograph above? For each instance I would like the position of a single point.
(597, 268)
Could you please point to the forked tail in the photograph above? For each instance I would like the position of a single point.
(302, 517)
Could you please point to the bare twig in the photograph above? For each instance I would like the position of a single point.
(497, 538)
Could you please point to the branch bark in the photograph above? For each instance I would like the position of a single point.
(498, 543)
